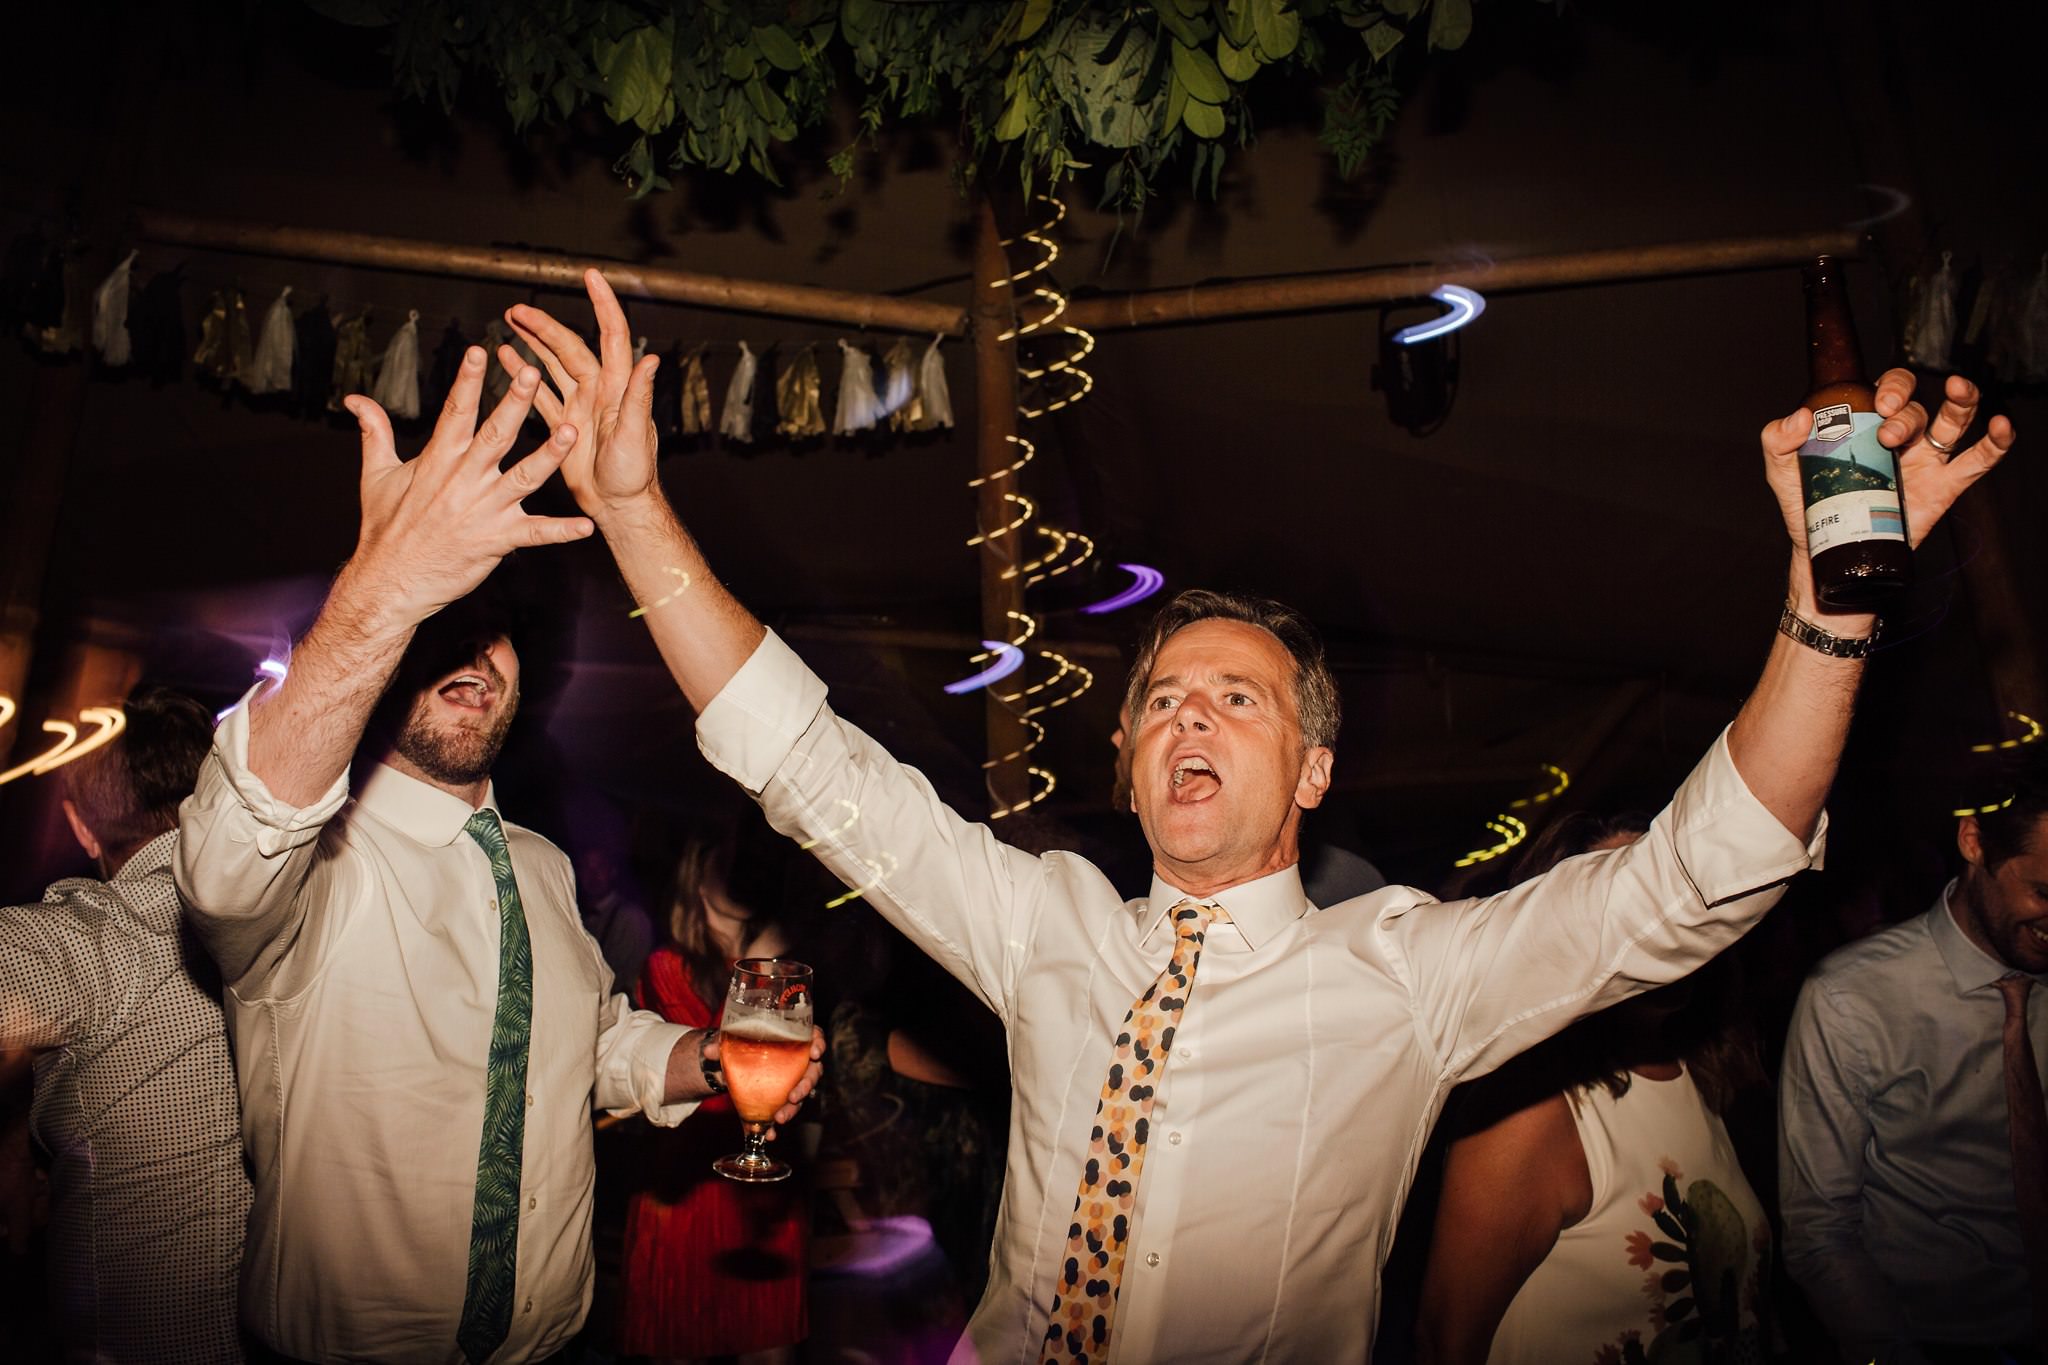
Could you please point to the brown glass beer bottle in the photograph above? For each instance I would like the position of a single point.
(1855, 515)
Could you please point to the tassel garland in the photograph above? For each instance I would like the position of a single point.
(398, 379)
(736, 423)
(696, 396)
(272, 370)
(351, 359)
(110, 315)
(932, 393)
(858, 408)
(799, 396)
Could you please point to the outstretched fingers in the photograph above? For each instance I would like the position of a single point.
(568, 360)
(526, 477)
(545, 400)
(614, 338)
(457, 422)
(494, 438)
(380, 450)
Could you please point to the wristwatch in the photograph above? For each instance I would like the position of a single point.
(714, 1076)
(1805, 632)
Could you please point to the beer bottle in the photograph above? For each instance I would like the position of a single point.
(1855, 517)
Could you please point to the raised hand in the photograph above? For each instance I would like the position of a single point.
(435, 526)
(1930, 477)
(613, 464)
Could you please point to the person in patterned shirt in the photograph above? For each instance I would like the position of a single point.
(134, 1087)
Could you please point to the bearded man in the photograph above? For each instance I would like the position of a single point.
(421, 1022)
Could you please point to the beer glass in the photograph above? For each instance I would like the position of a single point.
(764, 1047)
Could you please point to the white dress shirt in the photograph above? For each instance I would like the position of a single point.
(1316, 1048)
(360, 946)
(1895, 1169)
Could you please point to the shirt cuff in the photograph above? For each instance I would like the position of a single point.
(749, 728)
(1729, 844)
(282, 826)
(648, 1076)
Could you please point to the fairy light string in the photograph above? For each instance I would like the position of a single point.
(1049, 679)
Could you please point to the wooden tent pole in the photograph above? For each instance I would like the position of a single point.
(1353, 288)
(1214, 302)
(545, 270)
(994, 313)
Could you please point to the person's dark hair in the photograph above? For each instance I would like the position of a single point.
(2005, 833)
(1697, 1020)
(720, 858)
(128, 792)
(1315, 689)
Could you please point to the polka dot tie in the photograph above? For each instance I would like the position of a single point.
(1084, 1297)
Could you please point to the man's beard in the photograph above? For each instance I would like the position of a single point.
(457, 754)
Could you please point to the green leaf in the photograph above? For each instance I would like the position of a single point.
(1277, 30)
(1407, 9)
(1193, 32)
(1176, 102)
(738, 61)
(1193, 9)
(1382, 38)
(1237, 22)
(1203, 120)
(1036, 12)
(778, 47)
(1239, 64)
(1016, 116)
(1450, 24)
(1198, 72)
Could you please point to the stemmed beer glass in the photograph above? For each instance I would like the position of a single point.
(764, 1047)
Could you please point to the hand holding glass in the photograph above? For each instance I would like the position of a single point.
(764, 1048)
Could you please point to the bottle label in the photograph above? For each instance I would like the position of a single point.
(1850, 482)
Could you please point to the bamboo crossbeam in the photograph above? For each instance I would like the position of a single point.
(543, 270)
(1352, 288)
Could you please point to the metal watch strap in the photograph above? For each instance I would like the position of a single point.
(714, 1075)
(1799, 629)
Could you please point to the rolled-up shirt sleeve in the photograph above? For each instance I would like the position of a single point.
(633, 1048)
(1490, 978)
(970, 901)
(243, 854)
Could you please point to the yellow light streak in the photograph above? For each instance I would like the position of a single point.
(2028, 723)
(1029, 451)
(6, 710)
(852, 819)
(1087, 553)
(1564, 782)
(68, 735)
(1513, 831)
(660, 602)
(1982, 810)
(874, 866)
(1030, 511)
(1037, 738)
(1032, 800)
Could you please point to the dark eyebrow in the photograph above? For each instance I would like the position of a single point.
(1239, 680)
(1170, 680)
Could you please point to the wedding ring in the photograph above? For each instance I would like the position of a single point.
(1944, 449)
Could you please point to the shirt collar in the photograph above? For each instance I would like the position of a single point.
(423, 813)
(152, 858)
(1972, 967)
(1260, 909)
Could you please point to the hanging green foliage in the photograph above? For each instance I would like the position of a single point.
(1057, 85)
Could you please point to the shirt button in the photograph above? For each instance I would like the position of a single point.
(533, 1201)
(1187, 1054)
(529, 1306)
(1173, 1138)
(1151, 1258)
(529, 1099)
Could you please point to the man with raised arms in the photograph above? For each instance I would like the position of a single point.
(1221, 1089)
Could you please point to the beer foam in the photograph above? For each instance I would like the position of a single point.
(768, 1028)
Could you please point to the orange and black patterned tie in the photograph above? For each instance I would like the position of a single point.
(2027, 1126)
(1084, 1297)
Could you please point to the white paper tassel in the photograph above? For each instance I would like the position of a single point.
(639, 349)
(932, 393)
(1931, 328)
(737, 421)
(110, 315)
(271, 371)
(857, 409)
(397, 389)
(899, 387)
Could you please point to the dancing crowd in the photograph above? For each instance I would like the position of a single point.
(318, 1054)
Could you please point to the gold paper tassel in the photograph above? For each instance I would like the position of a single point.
(351, 359)
(212, 356)
(799, 397)
(696, 415)
(899, 387)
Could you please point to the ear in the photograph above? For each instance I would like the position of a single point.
(79, 832)
(1970, 841)
(1314, 783)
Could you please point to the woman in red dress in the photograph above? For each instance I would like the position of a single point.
(712, 1267)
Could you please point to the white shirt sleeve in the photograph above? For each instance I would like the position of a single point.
(963, 896)
(1490, 978)
(633, 1048)
(243, 854)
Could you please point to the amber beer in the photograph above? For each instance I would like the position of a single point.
(763, 1058)
(1855, 515)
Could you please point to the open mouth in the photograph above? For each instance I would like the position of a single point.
(1193, 780)
(470, 691)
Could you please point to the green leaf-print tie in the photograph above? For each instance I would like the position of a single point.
(494, 1224)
